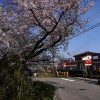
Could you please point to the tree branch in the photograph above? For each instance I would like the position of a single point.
(38, 20)
(45, 59)
(55, 42)
(43, 49)
(46, 34)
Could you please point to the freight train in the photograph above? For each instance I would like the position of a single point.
(86, 68)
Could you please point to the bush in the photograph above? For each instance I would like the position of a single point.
(15, 85)
(43, 91)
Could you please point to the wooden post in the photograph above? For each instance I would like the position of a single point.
(57, 73)
(67, 74)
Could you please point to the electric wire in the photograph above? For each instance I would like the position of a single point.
(85, 30)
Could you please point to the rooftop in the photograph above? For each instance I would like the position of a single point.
(86, 53)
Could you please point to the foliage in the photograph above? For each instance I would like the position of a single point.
(43, 91)
(14, 85)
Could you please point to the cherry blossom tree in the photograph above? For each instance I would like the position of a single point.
(30, 27)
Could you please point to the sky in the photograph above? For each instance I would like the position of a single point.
(89, 41)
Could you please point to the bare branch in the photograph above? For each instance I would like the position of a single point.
(38, 21)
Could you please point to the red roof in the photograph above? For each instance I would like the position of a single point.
(86, 53)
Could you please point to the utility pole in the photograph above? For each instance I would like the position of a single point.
(54, 70)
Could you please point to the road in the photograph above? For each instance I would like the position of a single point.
(75, 88)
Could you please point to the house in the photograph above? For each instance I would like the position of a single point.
(92, 58)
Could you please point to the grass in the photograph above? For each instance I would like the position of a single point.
(43, 91)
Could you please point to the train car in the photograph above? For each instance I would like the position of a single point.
(84, 68)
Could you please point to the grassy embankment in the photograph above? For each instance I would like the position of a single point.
(43, 91)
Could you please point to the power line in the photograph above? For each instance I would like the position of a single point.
(86, 30)
(94, 17)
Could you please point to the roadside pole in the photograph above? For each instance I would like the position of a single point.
(67, 74)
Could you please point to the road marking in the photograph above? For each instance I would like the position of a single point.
(67, 79)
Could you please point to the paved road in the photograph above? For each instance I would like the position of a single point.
(75, 88)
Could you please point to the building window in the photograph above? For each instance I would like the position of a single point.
(95, 57)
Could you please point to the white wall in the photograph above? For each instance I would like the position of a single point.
(88, 57)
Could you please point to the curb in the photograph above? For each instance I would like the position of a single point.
(58, 95)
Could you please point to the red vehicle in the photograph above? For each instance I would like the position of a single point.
(80, 68)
